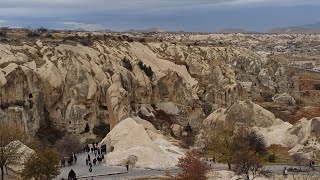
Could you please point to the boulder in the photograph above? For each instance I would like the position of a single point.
(176, 130)
(150, 149)
(251, 114)
(168, 107)
(284, 98)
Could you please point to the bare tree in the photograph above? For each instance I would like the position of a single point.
(299, 160)
(251, 147)
(243, 148)
(68, 144)
(9, 150)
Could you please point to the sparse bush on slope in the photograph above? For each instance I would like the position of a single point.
(147, 69)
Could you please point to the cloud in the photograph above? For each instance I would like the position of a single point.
(73, 8)
(120, 14)
(124, 4)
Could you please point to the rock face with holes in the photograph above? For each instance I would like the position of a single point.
(71, 87)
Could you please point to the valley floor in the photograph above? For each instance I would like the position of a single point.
(102, 171)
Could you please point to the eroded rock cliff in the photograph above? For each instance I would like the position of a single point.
(60, 83)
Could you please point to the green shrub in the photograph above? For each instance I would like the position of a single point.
(126, 63)
(147, 69)
(272, 157)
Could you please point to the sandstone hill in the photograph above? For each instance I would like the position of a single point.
(73, 82)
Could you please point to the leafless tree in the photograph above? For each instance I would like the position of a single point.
(299, 160)
(68, 144)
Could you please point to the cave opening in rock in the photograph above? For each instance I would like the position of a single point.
(87, 128)
(104, 108)
(30, 96)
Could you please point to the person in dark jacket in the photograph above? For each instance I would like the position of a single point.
(127, 166)
(72, 175)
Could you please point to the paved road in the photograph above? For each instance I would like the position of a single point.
(101, 171)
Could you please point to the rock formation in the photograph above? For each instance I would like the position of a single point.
(73, 82)
(138, 143)
(249, 114)
(23, 152)
(302, 137)
(284, 99)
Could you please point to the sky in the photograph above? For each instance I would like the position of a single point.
(173, 15)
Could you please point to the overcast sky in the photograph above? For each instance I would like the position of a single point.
(187, 15)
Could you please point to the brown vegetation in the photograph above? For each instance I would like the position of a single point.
(192, 167)
(43, 165)
(10, 156)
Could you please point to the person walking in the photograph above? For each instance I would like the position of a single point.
(127, 166)
(75, 157)
(102, 157)
(89, 158)
(63, 162)
(90, 167)
(72, 175)
(285, 172)
(311, 165)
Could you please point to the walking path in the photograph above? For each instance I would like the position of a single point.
(102, 171)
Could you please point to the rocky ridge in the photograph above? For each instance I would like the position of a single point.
(72, 87)
(302, 137)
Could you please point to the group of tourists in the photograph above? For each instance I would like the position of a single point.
(70, 160)
(98, 160)
(95, 148)
(98, 154)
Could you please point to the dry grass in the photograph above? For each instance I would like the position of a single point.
(282, 155)
(308, 113)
